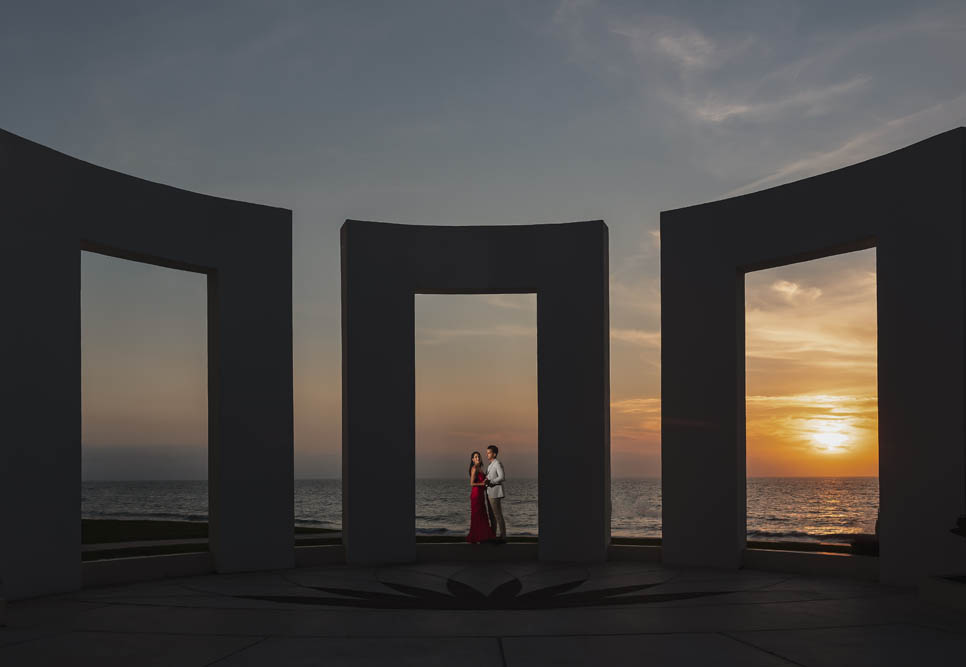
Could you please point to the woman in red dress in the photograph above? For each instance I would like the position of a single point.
(480, 530)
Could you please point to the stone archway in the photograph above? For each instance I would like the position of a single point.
(909, 205)
(383, 267)
(53, 207)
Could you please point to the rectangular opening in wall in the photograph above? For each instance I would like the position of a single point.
(144, 409)
(476, 386)
(811, 405)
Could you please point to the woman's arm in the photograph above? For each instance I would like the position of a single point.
(473, 477)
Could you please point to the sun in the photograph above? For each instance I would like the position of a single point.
(829, 436)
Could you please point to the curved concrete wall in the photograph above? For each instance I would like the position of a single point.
(909, 205)
(383, 267)
(52, 207)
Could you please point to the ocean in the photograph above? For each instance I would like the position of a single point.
(818, 509)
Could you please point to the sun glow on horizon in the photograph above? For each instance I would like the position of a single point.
(829, 435)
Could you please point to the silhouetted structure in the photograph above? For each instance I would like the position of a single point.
(909, 205)
(53, 206)
(383, 267)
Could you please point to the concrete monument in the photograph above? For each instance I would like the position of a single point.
(383, 267)
(909, 205)
(54, 206)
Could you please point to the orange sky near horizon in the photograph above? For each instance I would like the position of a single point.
(810, 375)
(811, 406)
(476, 381)
(810, 368)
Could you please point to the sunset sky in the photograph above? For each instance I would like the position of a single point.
(810, 368)
(481, 113)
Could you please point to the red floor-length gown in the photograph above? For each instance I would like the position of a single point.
(480, 530)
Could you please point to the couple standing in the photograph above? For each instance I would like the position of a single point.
(486, 498)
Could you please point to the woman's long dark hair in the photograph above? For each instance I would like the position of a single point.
(471, 462)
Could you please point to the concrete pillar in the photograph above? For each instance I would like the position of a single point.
(383, 266)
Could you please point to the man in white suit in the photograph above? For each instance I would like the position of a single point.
(494, 491)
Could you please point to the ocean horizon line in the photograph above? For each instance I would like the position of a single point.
(460, 477)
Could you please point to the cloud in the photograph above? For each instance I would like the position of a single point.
(636, 419)
(511, 301)
(751, 102)
(643, 296)
(689, 49)
(820, 347)
(637, 337)
(810, 328)
(888, 136)
(637, 406)
(793, 292)
(822, 423)
(428, 336)
(834, 403)
(714, 109)
(681, 44)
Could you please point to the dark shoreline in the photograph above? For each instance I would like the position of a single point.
(113, 533)
(103, 531)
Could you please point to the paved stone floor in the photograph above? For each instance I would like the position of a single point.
(486, 614)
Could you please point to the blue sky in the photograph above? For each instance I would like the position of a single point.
(450, 113)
